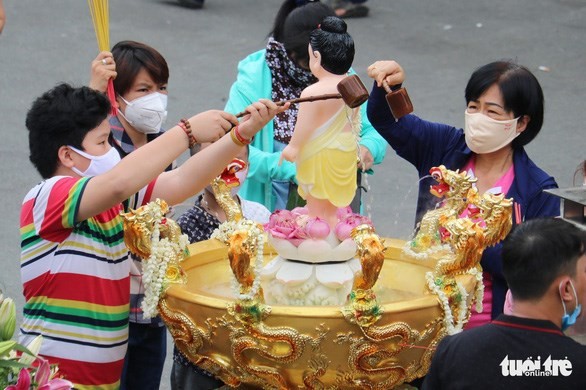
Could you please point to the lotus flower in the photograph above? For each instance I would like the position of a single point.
(281, 224)
(317, 228)
(288, 225)
(343, 212)
(344, 228)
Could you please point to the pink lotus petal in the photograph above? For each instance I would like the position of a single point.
(343, 212)
(300, 211)
(296, 241)
(343, 230)
(276, 234)
(317, 228)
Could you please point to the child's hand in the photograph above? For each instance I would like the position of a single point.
(259, 114)
(211, 125)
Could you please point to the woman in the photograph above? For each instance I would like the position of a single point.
(140, 76)
(504, 113)
(280, 72)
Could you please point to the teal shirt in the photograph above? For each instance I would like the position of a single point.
(254, 82)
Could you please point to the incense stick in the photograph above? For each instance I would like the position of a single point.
(100, 19)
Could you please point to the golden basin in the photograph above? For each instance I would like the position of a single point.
(308, 346)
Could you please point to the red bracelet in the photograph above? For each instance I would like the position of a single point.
(241, 138)
(186, 126)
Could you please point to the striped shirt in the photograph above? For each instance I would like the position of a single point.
(75, 279)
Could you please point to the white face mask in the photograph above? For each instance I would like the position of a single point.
(146, 113)
(98, 164)
(485, 135)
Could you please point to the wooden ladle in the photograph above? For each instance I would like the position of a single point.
(350, 89)
(398, 100)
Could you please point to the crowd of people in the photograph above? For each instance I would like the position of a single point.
(83, 289)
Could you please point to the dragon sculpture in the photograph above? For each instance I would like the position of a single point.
(221, 186)
(454, 187)
(139, 225)
(371, 253)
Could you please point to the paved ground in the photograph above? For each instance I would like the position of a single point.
(438, 42)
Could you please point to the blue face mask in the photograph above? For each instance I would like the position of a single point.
(570, 319)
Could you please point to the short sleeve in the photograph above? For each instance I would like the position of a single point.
(53, 206)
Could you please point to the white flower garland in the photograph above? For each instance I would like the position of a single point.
(451, 327)
(224, 232)
(163, 252)
(479, 293)
(431, 251)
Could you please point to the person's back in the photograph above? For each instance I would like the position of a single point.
(509, 353)
(544, 263)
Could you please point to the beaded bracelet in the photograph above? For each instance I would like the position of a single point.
(186, 126)
(240, 138)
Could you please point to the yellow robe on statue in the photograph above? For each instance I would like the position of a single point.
(327, 163)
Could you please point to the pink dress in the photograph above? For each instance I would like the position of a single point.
(501, 186)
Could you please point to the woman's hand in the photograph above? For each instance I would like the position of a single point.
(389, 71)
(210, 126)
(103, 69)
(258, 115)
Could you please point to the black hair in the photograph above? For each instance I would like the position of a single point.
(131, 57)
(334, 44)
(294, 22)
(62, 116)
(538, 251)
(521, 92)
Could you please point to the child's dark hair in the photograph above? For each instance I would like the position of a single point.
(334, 44)
(62, 116)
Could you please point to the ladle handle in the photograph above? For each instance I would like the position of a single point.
(301, 100)
(389, 88)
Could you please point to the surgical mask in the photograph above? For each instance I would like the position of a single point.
(570, 319)
(485, 135)
(98, 164)
(146, 113)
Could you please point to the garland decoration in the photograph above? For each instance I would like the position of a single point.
(156, 239)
